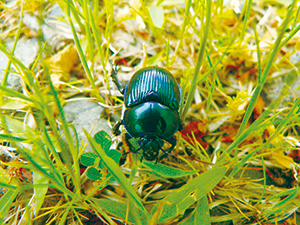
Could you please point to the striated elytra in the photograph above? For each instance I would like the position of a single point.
(151, 98)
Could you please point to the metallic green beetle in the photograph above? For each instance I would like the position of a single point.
(152, 99)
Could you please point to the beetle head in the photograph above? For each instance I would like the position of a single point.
(151, 145)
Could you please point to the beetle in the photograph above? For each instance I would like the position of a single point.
(151, 100)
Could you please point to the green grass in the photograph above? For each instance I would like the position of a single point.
(42, 179)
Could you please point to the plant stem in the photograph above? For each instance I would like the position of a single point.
(199, 62)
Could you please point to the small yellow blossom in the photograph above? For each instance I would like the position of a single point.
(237, 105)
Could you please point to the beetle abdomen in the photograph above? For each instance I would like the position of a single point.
(152, 84)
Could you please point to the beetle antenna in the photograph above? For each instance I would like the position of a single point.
(165, 153)
(115, 78)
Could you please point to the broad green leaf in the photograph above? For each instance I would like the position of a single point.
(157, 14)
(103, 139)
(117, 173)
(120, 209)
(93, 173)
(111, 179)
(88, 159)
(179, 200)
(16, 126)
(40, 191)
(5, 203)
(202, 212)
(134, 145)
(11, 93)
(13, 104)
(164, 171)
(115, 155)
(200, 215)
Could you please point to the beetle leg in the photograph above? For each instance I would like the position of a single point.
(135, 151)
(172, 141)
(165, 153)
(127, 137)
(116, 128)
(180, 126)
(115, 78)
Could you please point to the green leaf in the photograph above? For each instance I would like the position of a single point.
(117, 173)
(5, 203)
(111, 179)
(164, 171)
(88, 159)
(13, 104)
(93, 173)
(11, 138)
(103, 139)
(115, 155)
(157, 14)
(202, 212)
(200, 215)
(40, 191)
(11, 93)
(134, 145)
(179, 200)
(16, 127)
(121, 209)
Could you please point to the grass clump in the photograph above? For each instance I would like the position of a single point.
(236, 158)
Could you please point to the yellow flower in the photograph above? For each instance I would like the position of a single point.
(237, 105)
